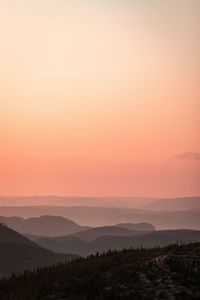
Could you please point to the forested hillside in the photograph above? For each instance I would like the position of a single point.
(160, 273)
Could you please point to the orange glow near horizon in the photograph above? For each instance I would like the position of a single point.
(99, 99)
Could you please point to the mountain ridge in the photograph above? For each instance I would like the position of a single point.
(45, 225)
(109, 216)
(172, 204)
(59, 226)
(72, 244)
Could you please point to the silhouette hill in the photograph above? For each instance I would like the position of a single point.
(18, 254)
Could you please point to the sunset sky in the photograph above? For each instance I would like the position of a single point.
(99, 97)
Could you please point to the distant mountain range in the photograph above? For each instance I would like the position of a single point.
(137, 226)
(178, 203)
(95, 233)
(87, 243)
(101, 216)
(18, 254)
(172, 204)
(128, 202)
(43, 226)
(53, 226)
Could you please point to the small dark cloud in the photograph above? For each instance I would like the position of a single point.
(189, 155)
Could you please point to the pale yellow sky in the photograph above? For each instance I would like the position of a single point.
(99, 98)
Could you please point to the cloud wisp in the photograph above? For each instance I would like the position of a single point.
(189, 156)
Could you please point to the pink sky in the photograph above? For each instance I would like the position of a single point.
(99, 99)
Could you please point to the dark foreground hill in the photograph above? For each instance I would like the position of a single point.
(160, 273)
(82, 244)
(17, 253)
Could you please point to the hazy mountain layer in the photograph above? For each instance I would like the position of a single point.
(43, 226)
(129, 202)
(173, 204)
(101, 216)
(59, 226)
(94, 233)
(72, 244)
